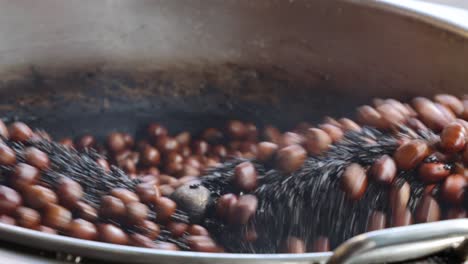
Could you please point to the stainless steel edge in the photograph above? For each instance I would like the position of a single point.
(438, 235)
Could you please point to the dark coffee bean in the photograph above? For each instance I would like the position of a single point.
(272, 134)
(200, 147)
(56, 216)
(321, 244)
(377, 220)
(148, 193)
(430, 114)
(429, 189)
(399, 196)
(24, 175)
(27, 217)
(245, 176)
(138, 240)
(197, 230)
(433, 172)
(349, 125)
(156, 131)
(453, 189)
(183, 138)
(112, 207)
(86, 211)
(243, 210)
(291, 138)
(116, 142)
(164, 208)
(10, 200)
(452, 138)
(293, 245)
(384, 170)
(128, 166)
(402, 218)
(150, 156)
(410, 154)
(7, 155)
(317, 141)
(224, 204)
(451, 102)
(266, 151)
(236, 129)
(202, 244)
(124, 195)
(335, 133)
(69, 192)
(167, 145)
(8, 220)
(248, 147)
(4, 130)
(20, 132)
(166, 190)
(448, 114)
(354, 181)
(37, 158)
(428, 210)
(128, 139)
(369, 116)
(83, 229)
(416, 124)
(86, 142)
(212, 135)
(104, 164)
(390, 115)
(291, 158)
(185, 151)
(136, 212)
(166, 246)
(177, 229)
(38, 197)
(149, 229)
(219, 151)
(252, 131)
(112, 234)
(46, 229)
(456, 212)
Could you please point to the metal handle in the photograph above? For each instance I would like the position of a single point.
(416, 241)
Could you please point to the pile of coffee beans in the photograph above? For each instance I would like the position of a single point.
(426, 138)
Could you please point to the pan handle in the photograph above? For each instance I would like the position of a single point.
(402, 243)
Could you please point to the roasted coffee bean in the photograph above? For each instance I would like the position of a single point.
(349, 125)
(112, 207)
(354, 181)
(24, 175)
(219, 151)
(430, 114)
(4, 130)
(251, 235)
(410, 154)
(69, 192)
(147, 192)
(202, 244)
(56, 216)
(377, 220)
(200, 147)
(183, 138)
(384, 170)
(83, 229)
(150, 156)
(27, 217)
(212, 135)
(456, 212)
(224, 204)
(164, 208)
(448, 114)
(112, 234)
(321, 244)
(8, 220)
(317, 141)
(7, 155)
(293, 245)
(252, 131)
(156, 131)
(369, 116)
(291, 158)
(451, 102)
(86, 142)
(452, 138)
(166, 190)
(291, 138)
(48, 230)
(38, 197)
(390, 115)
(453, 189)
(335, 133)
(429, 189)
(19, 131)
(37, 158)
(126, 196)
(236, 129)
(243, 210)
(166, 246)
(402, 218)
(399, 196)
(10, 200)
(177, 229)
(138, 240)
(428, 210)
(272, 134)
(167, 145)
(266, 151)
(433, 172)
(245, 176)
(116, 142)
(416, 124)
(149, 229)
(104, 164)
(136, 212)
(197, 230)
(86, 211)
